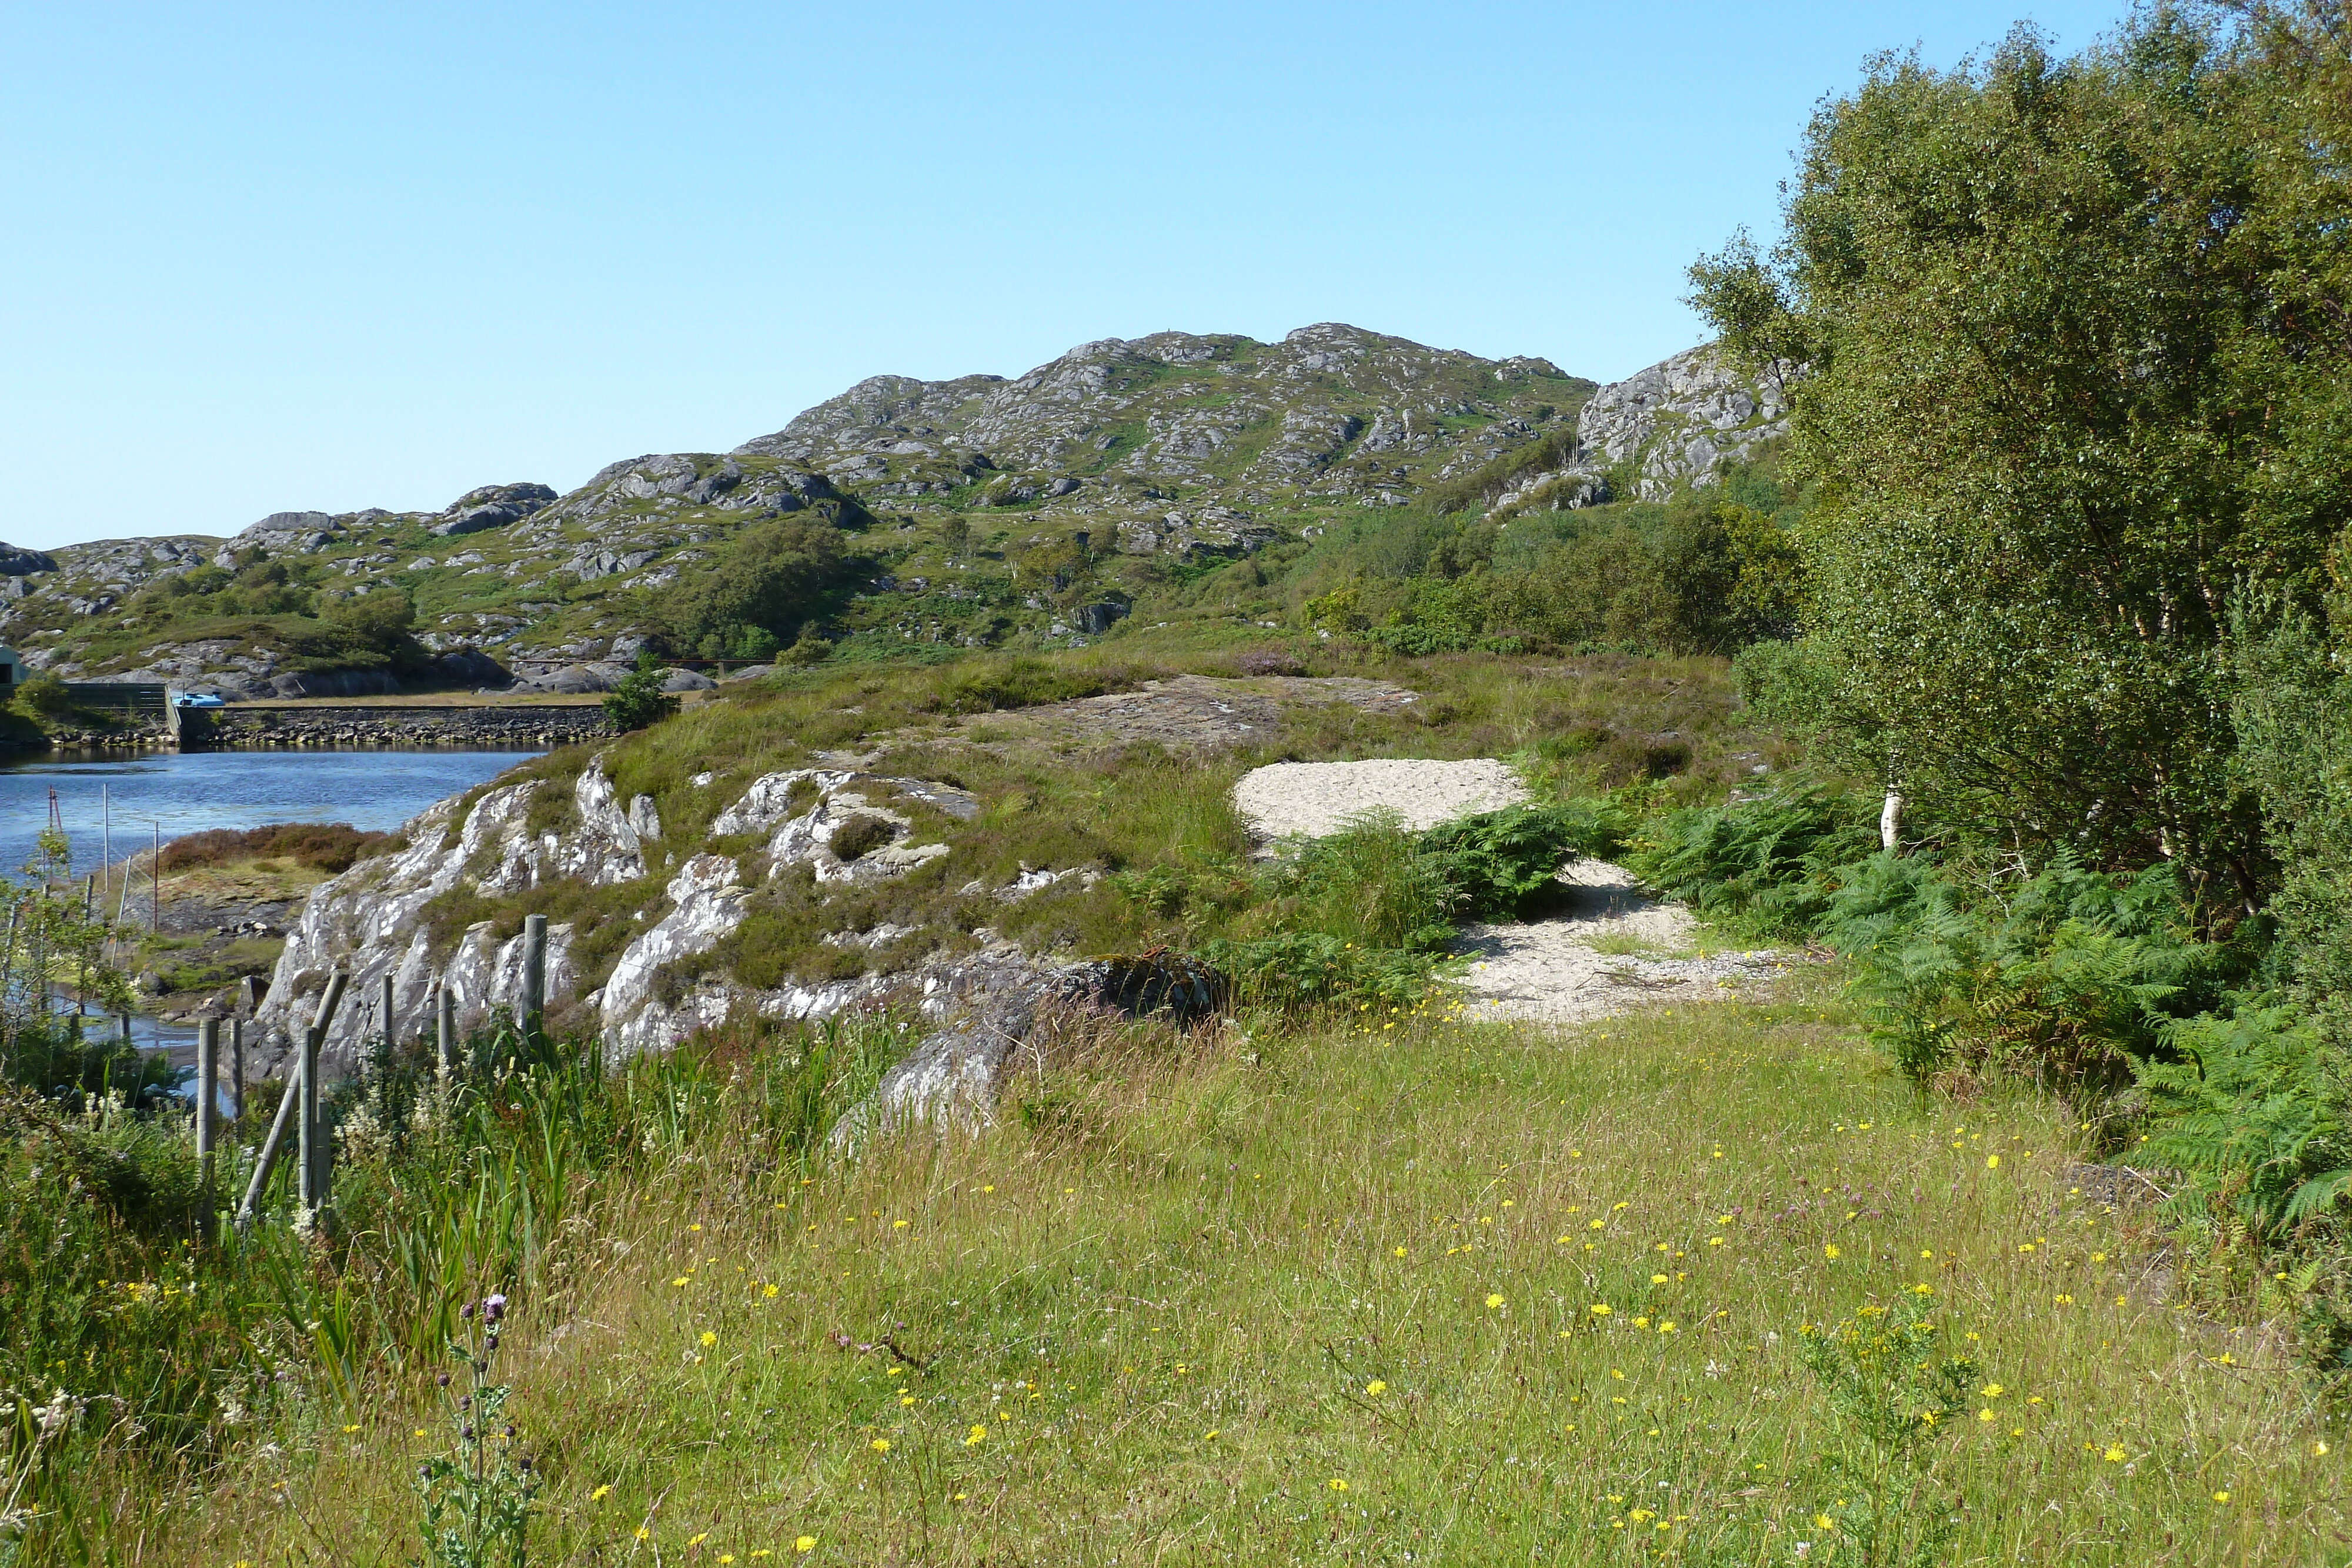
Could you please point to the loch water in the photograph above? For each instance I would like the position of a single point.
(373, 788)
(188, 792)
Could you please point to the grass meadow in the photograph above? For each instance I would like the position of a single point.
(1408, 1291)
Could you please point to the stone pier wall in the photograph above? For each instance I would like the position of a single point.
(272, 724)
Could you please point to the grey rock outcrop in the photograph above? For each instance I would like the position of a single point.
(1681, 421)
(334, 683)
(371, 920)
(373, 923)
(491, 505)
(806, 812)
(15, 562)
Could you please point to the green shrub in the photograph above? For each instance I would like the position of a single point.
(859, 835)
(2077, 977)
(45, 694)
(639, 701)
(1371, 884)
(1496, 863)
(2247, 1108)
(1305, 972)
(767, 583)
(1773, 863)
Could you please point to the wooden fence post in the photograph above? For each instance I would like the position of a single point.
(236, 1067)
(207, 1105)
(316, 1171)
(444, 1031)
(380, 1091)
(307, 1151)
(268, 1159)
(534, 974)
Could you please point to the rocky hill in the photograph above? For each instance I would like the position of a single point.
(984, 511)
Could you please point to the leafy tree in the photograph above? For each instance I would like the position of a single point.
(639, 701)
(771, 578)
(44, 693)
(381, 619)
(2060, 398)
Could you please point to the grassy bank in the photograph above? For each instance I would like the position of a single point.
(1338, 1298)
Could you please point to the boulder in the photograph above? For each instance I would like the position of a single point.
(471, 667)
(23, 563)
(1097, 619)
(579, 680)
(686, 681)
(334, 683)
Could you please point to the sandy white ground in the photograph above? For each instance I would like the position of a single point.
(1548, 970)
(1319, 798)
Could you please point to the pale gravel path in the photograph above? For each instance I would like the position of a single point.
(1549, 971)
(1540, 971)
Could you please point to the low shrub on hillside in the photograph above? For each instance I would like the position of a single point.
(2067, 978)
(331, 847)
(989, 686)
(1497, 863)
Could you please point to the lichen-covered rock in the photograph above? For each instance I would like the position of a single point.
(370, 921)
(706, 903)
(810, 833)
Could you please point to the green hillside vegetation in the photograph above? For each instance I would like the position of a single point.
(838, 532)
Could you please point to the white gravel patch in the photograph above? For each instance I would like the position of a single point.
(1549, 970)
(1319, 798)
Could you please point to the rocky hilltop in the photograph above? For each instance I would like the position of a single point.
(1030, 511)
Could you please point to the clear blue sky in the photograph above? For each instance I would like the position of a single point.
(265, 258)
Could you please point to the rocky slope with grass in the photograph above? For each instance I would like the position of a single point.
(974, 842)
(1035, 511)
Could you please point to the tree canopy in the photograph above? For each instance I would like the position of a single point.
(2074, 341)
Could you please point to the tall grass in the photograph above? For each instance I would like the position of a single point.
(1250, 1299)
(148, 1341)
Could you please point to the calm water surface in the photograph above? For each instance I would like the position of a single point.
(190, 792)
(374, 789)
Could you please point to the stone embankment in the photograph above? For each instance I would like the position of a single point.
(274, 724)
